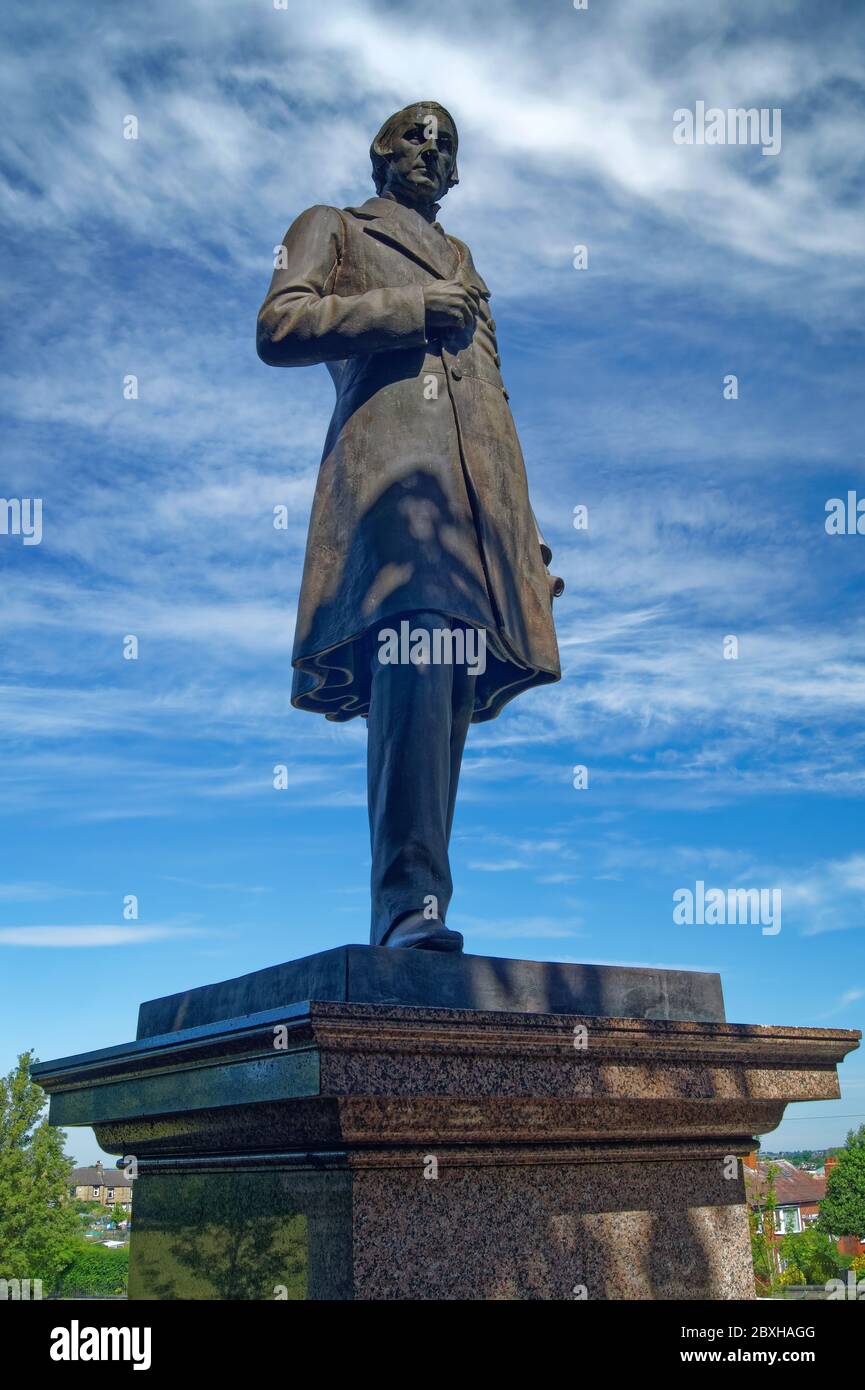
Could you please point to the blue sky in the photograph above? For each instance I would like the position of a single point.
(706, 516)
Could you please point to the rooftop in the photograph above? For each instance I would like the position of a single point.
(99, 1177)
(793, 1187)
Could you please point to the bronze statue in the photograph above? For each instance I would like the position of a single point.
(425, 603)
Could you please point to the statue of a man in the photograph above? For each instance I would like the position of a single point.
(425, 603)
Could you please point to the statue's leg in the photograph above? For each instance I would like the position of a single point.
(417, 725)
(462, 704)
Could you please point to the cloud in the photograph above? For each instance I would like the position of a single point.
(229, 100)
(35, 892)
(830, 894)
(159, 511)
(516, 929)
(496, 866)
(820, 896)
(706, 516)
(217, 887)
(94, 936)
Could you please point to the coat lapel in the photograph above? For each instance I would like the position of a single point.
(407, 231)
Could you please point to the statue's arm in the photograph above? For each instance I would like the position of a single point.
(302, 321)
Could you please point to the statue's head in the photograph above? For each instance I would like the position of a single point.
(414, 155)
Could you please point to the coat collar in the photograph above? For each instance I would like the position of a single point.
(398, 226)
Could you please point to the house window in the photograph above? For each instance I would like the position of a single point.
(110, 1194)
(96, 1191)
(787, 1221)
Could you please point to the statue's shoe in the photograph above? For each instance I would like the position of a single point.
(415, 931)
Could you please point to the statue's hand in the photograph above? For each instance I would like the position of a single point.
(451, 304)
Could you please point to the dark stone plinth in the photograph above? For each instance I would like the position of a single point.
(505, 1231)
(332, 1150)
(425, 979)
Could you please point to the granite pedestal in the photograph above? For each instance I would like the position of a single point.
(379, 1124)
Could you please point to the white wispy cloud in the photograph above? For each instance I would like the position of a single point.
(566, 136)
(496, 866)
(35, 892)
(106, 934)
(516, 928)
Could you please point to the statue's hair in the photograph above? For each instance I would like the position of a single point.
(381, 148)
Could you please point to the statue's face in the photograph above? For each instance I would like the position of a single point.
(424, 153)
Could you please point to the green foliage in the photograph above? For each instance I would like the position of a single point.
(803, 1158)
(96, 1271)
(811, 1257)
(842, 1211)
(90, 1208)
(37, 1220)
(117, 1214)
(763, 1247)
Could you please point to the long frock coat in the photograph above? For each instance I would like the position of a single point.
(421, 501)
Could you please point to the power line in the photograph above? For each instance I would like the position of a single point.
(792, 1119)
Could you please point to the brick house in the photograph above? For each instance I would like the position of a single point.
(798, 1195)
(95, 1185)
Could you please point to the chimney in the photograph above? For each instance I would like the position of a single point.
(831, 1162)
(751, 1161)
(99, 1168)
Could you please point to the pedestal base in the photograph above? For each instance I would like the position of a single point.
(508, 1227)
(338, 1150)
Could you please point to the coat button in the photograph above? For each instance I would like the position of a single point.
(456, 374)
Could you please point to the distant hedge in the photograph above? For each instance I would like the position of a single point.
(96, 1271)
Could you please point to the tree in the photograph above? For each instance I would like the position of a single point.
(842, 1211)
(94, 1272)
(117, 1214)
(37, 1221)
(810, 1257)
(87, 1208)
(761, 1221)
